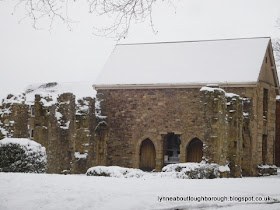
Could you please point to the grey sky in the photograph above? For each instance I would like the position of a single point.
(32, 56)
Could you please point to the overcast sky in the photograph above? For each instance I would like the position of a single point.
(31, 56)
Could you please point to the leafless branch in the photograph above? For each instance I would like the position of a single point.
(276, 49)
(122, 12)
(50, 10)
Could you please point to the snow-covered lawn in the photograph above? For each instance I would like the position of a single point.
(50, 191)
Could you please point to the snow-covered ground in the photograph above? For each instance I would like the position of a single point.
(50, 191)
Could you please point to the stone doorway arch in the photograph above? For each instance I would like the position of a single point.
(147, 155)
(194, 151)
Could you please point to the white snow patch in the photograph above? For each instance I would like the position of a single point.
(231, 95)
(29, 145)
(245, 114)
(98, 110)
(174, 171)
(66, 126)
(58, 115)
(266, 166)
(224, 168)
(15, 99)
(44, 101)
(78, 155)
(53, 191)
(115, 171)
(211, 89)
(3, 131)
(53, 90)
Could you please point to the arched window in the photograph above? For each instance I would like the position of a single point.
(194, 151)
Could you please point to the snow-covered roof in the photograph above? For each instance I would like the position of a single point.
(194, 62)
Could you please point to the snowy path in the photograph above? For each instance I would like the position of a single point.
(46, 191)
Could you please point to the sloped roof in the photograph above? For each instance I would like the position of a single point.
(194, 62)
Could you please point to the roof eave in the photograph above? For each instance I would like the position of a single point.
(181, 85)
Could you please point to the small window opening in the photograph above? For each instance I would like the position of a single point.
(265, 59)
(32, 111)
(265, 103)
(31, 134)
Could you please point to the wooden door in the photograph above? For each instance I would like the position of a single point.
(194, 151)
(147, 155)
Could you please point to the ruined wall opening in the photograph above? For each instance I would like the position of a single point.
(171, 148)
(194, 151)
(147, 155)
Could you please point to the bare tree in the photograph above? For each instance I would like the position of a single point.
(276, 49)
(122, 12)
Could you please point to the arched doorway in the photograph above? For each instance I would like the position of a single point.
(147, 155)
(194, 151)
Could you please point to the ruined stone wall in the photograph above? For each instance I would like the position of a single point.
(235, 136)
(84, 133)
(213, 107)
(277, 142)
(256, 126)
(61, 134)
(223, 117)
(231, 128)
(14, 116)
(65, 129)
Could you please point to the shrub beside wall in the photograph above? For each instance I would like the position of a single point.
(22, 155)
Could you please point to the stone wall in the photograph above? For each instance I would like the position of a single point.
(14, 117)
(229, 125)
(277, 141)
(257, 126)
(232, 127)
(65, 127)
(223, 115)
(134, 115)
(85, 123)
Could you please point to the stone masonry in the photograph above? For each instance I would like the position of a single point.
(234, 124)
(232, 127)
(63, 126)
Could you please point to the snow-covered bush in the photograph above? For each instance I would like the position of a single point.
(114, 171)
(193, 170)
(266, 170)
(22, 155)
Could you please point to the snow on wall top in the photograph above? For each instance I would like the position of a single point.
(214, 61)
(53, 90)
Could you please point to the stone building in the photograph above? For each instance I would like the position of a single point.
(174, 102)
(158, 104)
